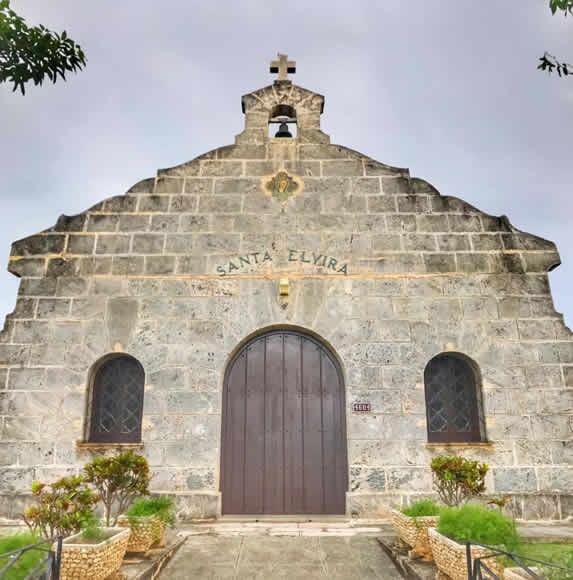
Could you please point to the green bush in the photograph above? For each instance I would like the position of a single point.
(61, 507)
(92, 530)
(422, 508)
(159, 505)
(458, 479)
(473, 522)
(27, 562)
(119, 480)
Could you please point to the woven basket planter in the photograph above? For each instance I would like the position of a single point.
(93, 561)
(413, 531)
(145, 531)
(450, 557)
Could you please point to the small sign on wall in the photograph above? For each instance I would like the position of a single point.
(361, 407)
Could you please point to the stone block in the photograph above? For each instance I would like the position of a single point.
(373, 505)
(483, 307)
(409, 203)
(464, 223)
(184, 204)
(382, 401)
(14, 354)
(143, 186)
(21, 428)
(70, 287)
(367, 479)
(385, 243)
(213, 243)
(81, 244)
(453, 242)
(134, 223)
(199, 479)
(514, 479)
(506, 427)
(401, 223)
(23, 267)
(39, 244)
(221, 168)
(557, 427)
(382, 204)
(153, 203)
(95, 265)
(112, 244)
(192, 402)
(220, 204)
(349, 167)
(439, 262)
(53, 308)
(16, 479)
(514, 307)
(164, 223)
(398, 184)
(120, 203)
(556, 479)
(168, 185)
(530, 452)
(148, 243)
(197, 506)
(102, 223)
(63, 267)
(37, 287)
(472, 262)
(419, 242)
(365, 185)
(127, 265)
(536, 329)
(408, 479)
(30, 332)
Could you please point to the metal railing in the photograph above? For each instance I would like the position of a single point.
(479, 570)
(48, 568)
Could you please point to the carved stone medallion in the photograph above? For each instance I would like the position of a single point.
(282, 186)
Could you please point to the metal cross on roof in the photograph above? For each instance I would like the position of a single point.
(283, 67)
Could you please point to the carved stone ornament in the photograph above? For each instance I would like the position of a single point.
(282, 186)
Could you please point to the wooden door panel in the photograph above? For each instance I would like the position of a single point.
(283, 431)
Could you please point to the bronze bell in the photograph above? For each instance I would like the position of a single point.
(283, 131)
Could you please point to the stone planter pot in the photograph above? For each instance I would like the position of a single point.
(145, 532)
(81, 560)
(450, 557)
(413, 531)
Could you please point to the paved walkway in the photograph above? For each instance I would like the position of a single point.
(261, 557)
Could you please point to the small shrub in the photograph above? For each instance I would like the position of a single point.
(25, 563)
(422, 508)
(473, 522)
(91, 529)
(62, 507)
(119, 480)
(457, 479)
(161, 506)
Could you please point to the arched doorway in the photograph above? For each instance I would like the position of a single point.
(284, 428)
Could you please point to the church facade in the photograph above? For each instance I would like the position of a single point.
(286, 326)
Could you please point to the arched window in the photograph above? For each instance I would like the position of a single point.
(453, 400)
(117, 400)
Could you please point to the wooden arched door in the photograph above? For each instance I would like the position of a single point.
(284, 429)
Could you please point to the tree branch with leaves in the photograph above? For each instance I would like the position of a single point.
(548, 62)
(33, 53)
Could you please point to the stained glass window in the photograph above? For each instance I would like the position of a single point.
(453, 400)
(117, 401)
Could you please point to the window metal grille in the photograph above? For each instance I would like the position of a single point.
(452, 400)
(117, 402)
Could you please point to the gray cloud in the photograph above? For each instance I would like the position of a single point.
(449, 90)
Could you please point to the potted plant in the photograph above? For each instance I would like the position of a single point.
(119, 480)
(411, 524)
(458, 479)
(470, 522)
(147, 518)
(61, 507)
(94, 553)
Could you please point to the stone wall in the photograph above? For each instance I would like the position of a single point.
(149, 273)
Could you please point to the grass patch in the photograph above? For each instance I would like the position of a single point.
(26, 563)
(422, 508)
(554, 553)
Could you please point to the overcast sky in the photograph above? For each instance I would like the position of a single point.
(447, 88)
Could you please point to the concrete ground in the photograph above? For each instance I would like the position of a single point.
(262, 557)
